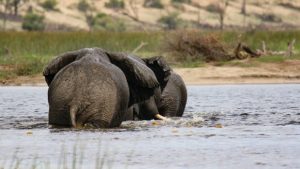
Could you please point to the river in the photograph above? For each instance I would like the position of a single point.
(224, 126)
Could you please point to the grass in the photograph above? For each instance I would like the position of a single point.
(191, 64)
(271, 59)
(275, 40)
(28, 52)
(69, 157)
(236, 64)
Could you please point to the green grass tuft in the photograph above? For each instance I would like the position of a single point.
(271, 59)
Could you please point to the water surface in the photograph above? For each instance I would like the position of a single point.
(226, 126)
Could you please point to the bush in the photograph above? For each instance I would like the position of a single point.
(105, 22)
(153, 4)
(214, 8)
(115, 4)
(83, 6)
(170, 21)
(181, 1)
(194, 46)
(270, 17)
(33, 22)
(49, 4)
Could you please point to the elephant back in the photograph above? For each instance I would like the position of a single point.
(97, 92)
(174, 97)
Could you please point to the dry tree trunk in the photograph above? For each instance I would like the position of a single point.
(244, 12)
(222, 11)
(134, 8)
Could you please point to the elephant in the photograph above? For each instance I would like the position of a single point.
(171, 96)
(147, 109)
(173, 90)
(93, 87)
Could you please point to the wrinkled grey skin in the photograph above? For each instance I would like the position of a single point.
(174, 97)
(145, 109)
(92, 87)
(169, 99)
(173, 90)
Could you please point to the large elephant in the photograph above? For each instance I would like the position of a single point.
(170, 98)
(94, 87)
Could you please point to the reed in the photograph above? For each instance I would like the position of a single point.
(28, 52)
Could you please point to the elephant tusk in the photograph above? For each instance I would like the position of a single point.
(160, 117)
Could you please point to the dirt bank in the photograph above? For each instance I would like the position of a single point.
(286, 72)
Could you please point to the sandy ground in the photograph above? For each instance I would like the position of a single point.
(286, 72)
(197, 11)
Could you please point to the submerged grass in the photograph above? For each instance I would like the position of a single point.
(70, 157)
(28, 52)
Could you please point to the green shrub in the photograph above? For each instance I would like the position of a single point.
(33, 22)
(153, 4)
(181, 1)
(269, 17)
(83, 6)
(49, 4)
(105, 22)
(213, 7)
(170, 21)
(115, 4)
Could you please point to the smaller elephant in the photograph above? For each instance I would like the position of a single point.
(173, 90)
(169, 99)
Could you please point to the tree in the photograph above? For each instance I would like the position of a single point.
(16, 5)
(6, 5)
(33, 22)
(134, 8)
(83, 6)
(170, 21)
(105, 22)
(222, 11)
(243, 11)
(116, 4)
(181, 1)
(49, 4)
(153, 4)
(87, 10)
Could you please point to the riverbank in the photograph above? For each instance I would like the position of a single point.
(266, 73)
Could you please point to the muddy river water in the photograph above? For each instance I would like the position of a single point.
(224, 126)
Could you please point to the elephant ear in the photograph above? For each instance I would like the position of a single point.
(161, 69)
(140, 78)
(60, 62)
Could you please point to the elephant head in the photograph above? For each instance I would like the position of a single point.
(172, 99)
(93, 86)
(160, 68)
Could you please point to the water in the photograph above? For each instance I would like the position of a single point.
(227, 126)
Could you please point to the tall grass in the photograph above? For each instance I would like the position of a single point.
(29, 52)
(52, 43)
(275, 40)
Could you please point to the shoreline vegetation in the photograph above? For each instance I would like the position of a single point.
(24, 54)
